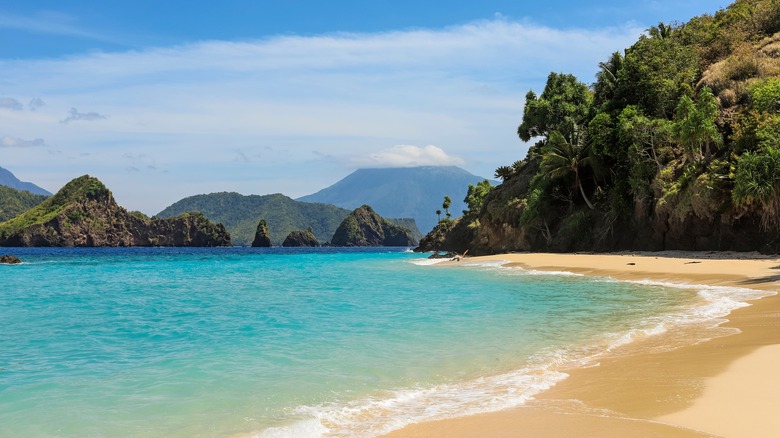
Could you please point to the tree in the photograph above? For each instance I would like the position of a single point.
(504, 172)
(645, 137)
(564, 157)
(438, 213)
(757, 181)
(661, 31)
(475, 197)
(563, 104)
(446, 206)
(607, 79)
(695, 127)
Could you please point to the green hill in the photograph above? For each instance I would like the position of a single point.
(675, 146)
(240, 214)
(14, 202)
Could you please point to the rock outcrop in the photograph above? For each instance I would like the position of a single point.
(301, 238)
(84, 213)
(363, 227)
(8, 259)
(262, 239)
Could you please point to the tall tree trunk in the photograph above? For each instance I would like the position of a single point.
(582, 190)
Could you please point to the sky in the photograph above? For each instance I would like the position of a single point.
(166, 99)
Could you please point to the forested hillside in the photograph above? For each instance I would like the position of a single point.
(15, 202)
(676, 145)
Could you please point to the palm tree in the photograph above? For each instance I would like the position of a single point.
(607, 77)
(446, 205)
(504, 172)
(695, 127)
(438, 213)
(563, 158)
(661, 31)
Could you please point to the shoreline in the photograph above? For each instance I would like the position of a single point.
(689, 391)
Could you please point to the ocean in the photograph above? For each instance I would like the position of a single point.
(151, 342)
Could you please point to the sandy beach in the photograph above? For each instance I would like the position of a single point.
(727, 386)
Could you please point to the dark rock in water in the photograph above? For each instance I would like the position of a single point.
(363, 227)
(9, 260)
(84, 213)
(438, 255)
(301, 238)
(262, 239)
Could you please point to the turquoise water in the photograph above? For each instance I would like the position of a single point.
(282, 342)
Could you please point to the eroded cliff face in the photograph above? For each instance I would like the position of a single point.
(84, 214)
(499, 229)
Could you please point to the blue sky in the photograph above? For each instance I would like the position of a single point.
(166, 99)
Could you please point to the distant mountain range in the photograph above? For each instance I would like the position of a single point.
(240, 214)
(8, 179)
(415, 192)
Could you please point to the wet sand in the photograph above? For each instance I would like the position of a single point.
(728, 386)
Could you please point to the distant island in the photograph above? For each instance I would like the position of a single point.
(240, 214)
(674, 147)
(84, 213)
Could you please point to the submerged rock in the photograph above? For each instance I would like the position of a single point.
(8, 259)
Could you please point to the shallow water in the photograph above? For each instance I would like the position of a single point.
(289, 342)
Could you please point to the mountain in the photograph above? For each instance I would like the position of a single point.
(415, 192)
(84, 213)
(676, 146)
(14, 202)
(363, 227)
(8, 179)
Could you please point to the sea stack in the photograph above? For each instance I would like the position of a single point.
(262, 240)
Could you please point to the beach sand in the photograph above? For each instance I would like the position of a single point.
(728, 386)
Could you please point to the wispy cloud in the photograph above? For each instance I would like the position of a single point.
(12, 142)
(75, 115)
(408, 156)
(45, 22)
(10, 103)
(36, 103)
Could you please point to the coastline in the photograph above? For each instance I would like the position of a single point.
(690, 391)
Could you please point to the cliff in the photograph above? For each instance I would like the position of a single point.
(262, 239)
(301, 238)
(363, 227)
(84, 213)
(674, 147)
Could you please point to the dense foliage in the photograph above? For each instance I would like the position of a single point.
(15, 202)
(675, 145)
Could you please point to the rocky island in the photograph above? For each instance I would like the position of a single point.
(84, 213)
(262, 239)
(364, 227)
(301, 238)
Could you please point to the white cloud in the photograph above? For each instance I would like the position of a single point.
(12, 142)
(409, 156)
(294, 98)
(35, 103)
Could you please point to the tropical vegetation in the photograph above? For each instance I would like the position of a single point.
(675, 145)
